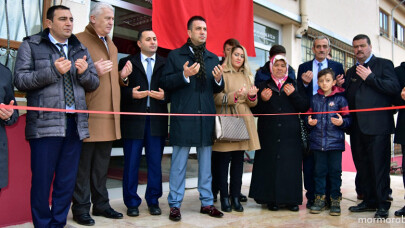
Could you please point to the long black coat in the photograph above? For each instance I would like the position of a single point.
(6, 95)
(188, 98)
(132, 126)
(400, 129)
(276, 176)
(376, 91)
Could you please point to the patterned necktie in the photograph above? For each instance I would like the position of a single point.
(104, 42)
(67, 81)
(149, 76)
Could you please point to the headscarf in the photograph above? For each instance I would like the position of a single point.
(279, 82)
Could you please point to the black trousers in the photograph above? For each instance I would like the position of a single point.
(92, 177)
(371, 156)
(403, 163)
(222, 160)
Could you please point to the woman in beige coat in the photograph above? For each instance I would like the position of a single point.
(242, 94)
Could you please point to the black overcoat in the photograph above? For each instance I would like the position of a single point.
(189, 98)
(6, 95)
(276, 175)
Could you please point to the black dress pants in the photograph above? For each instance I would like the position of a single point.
(235, 158)
(371, 156)
(92, 177)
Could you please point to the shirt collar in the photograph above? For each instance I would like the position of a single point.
(324, 62)
(54, 41)
(367, 60)
(144, 57)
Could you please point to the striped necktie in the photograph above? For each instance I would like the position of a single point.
(67, 81)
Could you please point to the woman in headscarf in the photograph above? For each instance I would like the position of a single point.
(276, 176)
(242, 95)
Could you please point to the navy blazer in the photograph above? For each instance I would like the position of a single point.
(336, 67)
(377, 90)
(133, 126)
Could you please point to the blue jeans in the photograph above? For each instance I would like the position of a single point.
(328, 162)
(177, 181)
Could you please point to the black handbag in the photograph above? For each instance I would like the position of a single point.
(230, 128)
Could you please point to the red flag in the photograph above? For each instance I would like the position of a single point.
(225, 19)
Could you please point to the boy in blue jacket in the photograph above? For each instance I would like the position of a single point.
(327, 139)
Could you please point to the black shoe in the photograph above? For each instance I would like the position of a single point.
(236, 204)
(225, 205)
(381, 213)
(215, 197)
(272, 207)
(361, 207)
(154, 209)
(175, 214)
(310, 203)
(133, 211)
(108, 213)
(400, 212)
(293, 207)
(242, 198)
(84, 219)
(390, 197)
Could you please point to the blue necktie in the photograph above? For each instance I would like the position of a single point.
(149, 77)
(319, 67)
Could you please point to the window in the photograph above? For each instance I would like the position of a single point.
(262, 56)
(18, 26)
(383, 24)
(306, 48)
(399, 33)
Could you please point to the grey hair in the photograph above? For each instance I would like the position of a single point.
(322, 37)
(96, 8)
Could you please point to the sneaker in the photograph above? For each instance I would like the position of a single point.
(319, 204)
(335, 206)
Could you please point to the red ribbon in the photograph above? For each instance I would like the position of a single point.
(182, 114)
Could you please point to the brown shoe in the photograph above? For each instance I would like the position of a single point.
(211, 211)
(175, 214)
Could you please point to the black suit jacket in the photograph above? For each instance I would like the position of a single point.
(335, 66)
(133, 126)
(400, 128)
(376, 91)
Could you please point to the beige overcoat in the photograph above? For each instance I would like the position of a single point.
(107, 96)
(233, 82)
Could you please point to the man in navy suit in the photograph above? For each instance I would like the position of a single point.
(371, 83)
(307, 74)
(144, 94)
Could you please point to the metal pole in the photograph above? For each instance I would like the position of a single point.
(392, 28)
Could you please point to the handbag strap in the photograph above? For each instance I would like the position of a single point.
(224, 103)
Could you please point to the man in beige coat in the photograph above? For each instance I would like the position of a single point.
(104, 129)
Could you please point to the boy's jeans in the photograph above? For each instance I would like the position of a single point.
(328, 162)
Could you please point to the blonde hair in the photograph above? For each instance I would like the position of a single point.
(245, 66)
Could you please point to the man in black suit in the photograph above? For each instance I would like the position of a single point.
(371, 83)
(400, 128)
(307, 74)
(144, 94)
